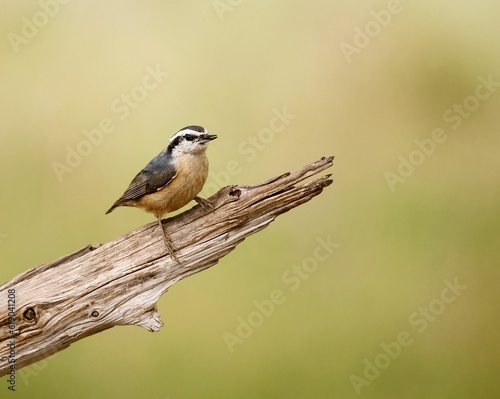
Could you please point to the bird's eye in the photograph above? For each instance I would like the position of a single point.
(189, 137)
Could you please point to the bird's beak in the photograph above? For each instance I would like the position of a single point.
(208, 137)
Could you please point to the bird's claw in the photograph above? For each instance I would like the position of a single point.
(168, 244)
(204, 202)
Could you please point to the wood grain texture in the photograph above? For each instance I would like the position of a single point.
(119, 283)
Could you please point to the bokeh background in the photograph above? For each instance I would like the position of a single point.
(231, 66)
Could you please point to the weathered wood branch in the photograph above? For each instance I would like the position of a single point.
(119, 283)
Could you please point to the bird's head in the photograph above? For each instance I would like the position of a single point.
(191, 139)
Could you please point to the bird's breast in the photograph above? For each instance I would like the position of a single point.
(191, 174)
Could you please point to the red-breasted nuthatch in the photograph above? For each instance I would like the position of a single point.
(171, 179)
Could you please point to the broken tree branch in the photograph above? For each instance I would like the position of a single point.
(119, 283)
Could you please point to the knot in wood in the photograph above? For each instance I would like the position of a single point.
(95, 313)
(29, 314)
(235, 192)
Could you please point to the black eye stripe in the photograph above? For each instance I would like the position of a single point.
(189, 137)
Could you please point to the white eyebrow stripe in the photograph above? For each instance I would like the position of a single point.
(186, 131)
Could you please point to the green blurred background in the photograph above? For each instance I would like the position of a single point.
(231, 66)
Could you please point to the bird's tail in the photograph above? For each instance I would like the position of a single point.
(113, 207)
(110, 210)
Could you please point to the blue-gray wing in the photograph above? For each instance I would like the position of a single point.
(148, 181)
(156, 175)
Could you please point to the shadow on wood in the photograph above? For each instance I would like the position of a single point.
(119, 283)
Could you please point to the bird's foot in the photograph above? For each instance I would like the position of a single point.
(168, 244)
(204, 202)
(171, 250)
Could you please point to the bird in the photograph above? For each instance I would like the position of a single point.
(171, 179)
